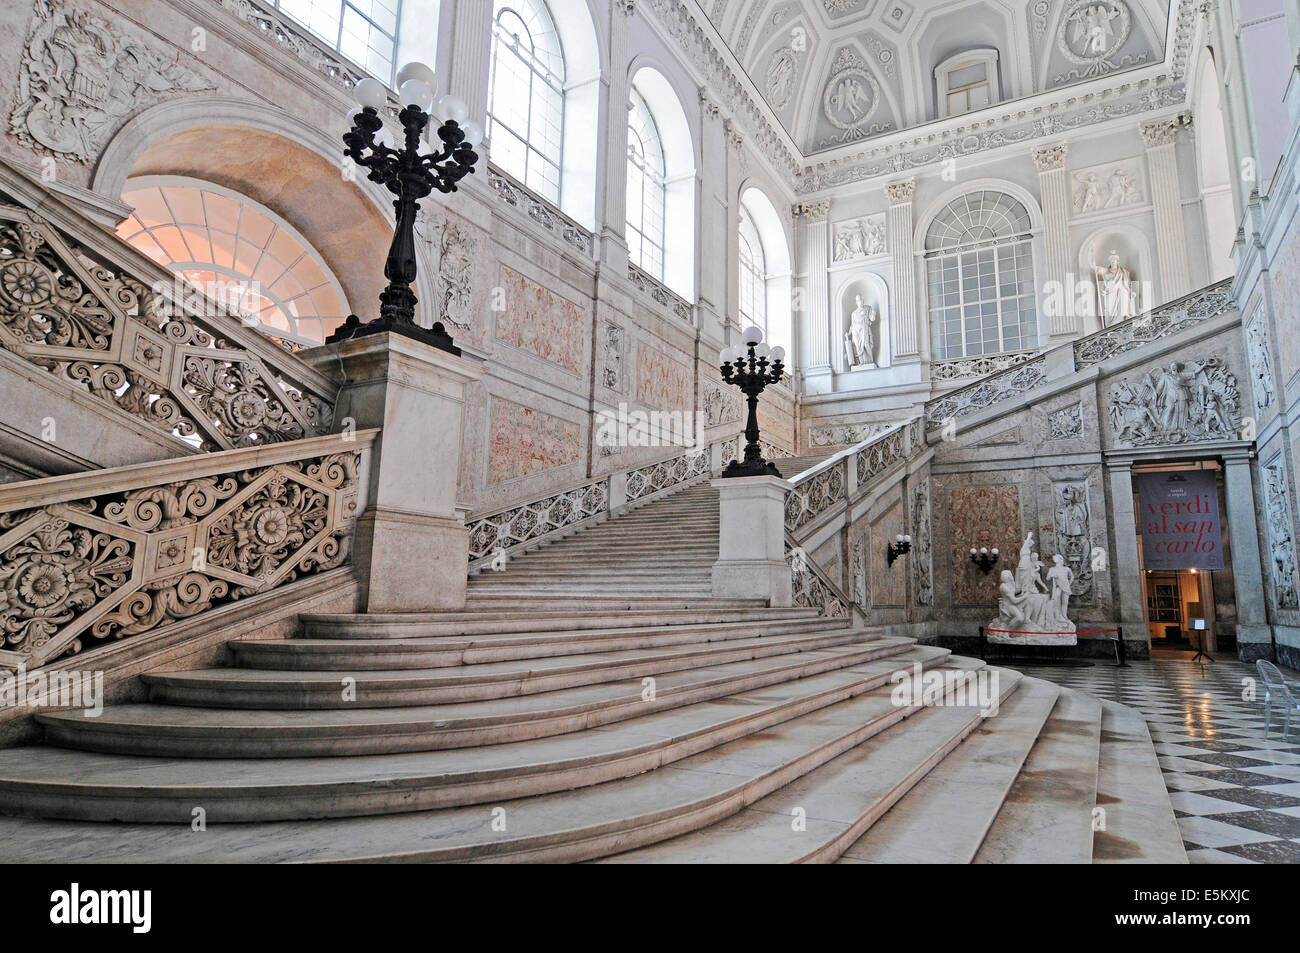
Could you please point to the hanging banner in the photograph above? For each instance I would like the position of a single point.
(1179, 518)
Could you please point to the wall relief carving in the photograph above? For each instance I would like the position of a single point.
(845, 435)
(1091, 32)
(1277, 499)
(1073, 527)
(922, 560)
(80, 78)
(1181, 402)
(859, 238)
(611, 373)
(721, 404)
(1066, 423)
(1261, 367)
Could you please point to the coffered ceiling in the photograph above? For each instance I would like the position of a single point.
(836, 72)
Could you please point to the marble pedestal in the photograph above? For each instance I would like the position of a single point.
(411, 550)
(751, 541)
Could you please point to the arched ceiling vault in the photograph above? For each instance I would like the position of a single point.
(835, 72)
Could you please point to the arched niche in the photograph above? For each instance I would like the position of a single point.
(1134, 251)
(874, 292)
(281, 163)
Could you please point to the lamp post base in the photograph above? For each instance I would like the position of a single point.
(436, 336)
(751, 468)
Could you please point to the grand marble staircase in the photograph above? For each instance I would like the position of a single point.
(592, 702)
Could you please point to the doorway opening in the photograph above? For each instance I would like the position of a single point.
(1187, 588)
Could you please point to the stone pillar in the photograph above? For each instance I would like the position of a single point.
(618, 92)
(751, 541)
(903, 320)
(816, 305)
(714, 221)
(411, 551)
(471, 55)
(1243, 537)
(1126, 565)
(1054, 192)
(1166, 201)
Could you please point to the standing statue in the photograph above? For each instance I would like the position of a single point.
(1028, 612)
(860, 338)
(1116, 290)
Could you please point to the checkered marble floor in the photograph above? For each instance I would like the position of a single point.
(1236, 793)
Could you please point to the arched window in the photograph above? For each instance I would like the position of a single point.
(753, 274)
(365, 31)
(526, 96)
(980, 275)
(646, 189)
(764, 269)
(240, 254)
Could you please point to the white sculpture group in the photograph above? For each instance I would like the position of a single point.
(1032, 610)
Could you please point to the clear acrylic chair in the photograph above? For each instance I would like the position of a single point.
(1276, 692)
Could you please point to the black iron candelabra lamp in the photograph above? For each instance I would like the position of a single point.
(752, 367)
(984, 558)
(901, 545)
(411, 176)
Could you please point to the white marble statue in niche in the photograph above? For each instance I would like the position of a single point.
(1033, 610)
(1117, 292)
(860, 338)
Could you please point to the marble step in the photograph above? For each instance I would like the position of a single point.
(1047, 816)
(478, 599)
(944, 818)
(1141, 827)
(813, 819)
(602, 562)
(338, 654)
(615, 572)
(721, 737)
(170, 731)
(502, 622)
(577, 593)
(280, 689)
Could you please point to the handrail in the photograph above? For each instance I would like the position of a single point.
(1152, 325)
(113, 553)
(91, 310)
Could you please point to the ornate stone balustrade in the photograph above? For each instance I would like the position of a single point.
(136, 338)
(1153, 325)
(813, 589)
(823, 488)
(517, 195)
(958, 368)
(93, 557)
(513, 527)
(819, 492)
(986, 392)
(284, 34)
(655, 289)
(657, 477)
(509, 529)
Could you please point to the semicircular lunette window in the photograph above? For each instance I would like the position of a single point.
(238, 253)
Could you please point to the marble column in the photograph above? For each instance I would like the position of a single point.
(471, 51)
(1244, 537)
(1126, 565)
(714, 221)
(411, 550)
(815, 258)
(903, 317)
(1054, 192)
(1161, 140)
(613, 112)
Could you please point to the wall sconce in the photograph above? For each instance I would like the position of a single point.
(984, 558)
(901, 544)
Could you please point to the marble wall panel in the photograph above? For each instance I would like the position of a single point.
(524, 440)
(981, 516)
(541, 322)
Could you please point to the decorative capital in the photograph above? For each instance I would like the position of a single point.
(812, 212)
(627, 6)
(900, 193)
(1163, 132)
(1051, 157)
(733, 134)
